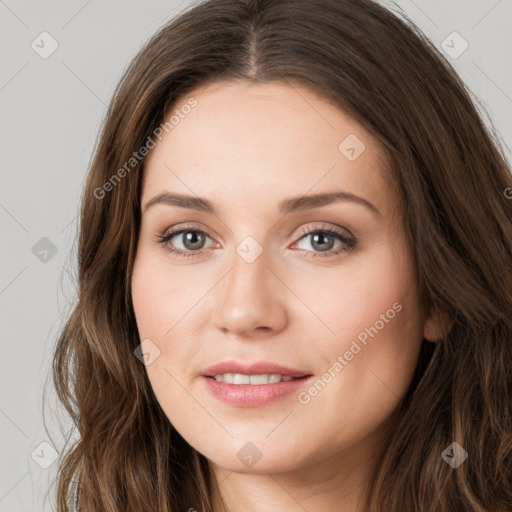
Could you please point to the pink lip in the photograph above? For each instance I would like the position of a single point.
(247, 395)
(257, 368)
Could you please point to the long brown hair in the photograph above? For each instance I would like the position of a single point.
(452, 179)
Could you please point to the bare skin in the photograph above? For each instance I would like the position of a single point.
(300, 303)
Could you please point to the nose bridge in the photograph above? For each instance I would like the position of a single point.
(250, 256)
(249, 274)
(248, 299)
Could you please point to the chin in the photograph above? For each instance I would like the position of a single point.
(247, 457)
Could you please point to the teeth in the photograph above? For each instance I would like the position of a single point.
(241, 379)
(238, 378)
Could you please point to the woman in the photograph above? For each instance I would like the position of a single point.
(295, 285)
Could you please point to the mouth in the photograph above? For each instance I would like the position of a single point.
(253, 379)
(253, 390)
(252, 384)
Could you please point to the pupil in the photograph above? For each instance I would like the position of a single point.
(322, 246)
(193, 239)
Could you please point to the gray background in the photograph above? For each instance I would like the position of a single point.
(51, 113)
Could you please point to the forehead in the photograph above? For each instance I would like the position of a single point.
(263, 141)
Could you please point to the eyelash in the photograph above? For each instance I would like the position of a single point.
(350, 244)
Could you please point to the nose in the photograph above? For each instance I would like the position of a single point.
(250, 302)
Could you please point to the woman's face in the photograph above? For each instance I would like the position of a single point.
(262, 166)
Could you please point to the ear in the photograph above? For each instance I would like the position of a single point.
(437, 326)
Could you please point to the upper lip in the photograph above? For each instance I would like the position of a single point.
(255, 368)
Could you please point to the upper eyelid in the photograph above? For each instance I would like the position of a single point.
(319, 227)
(175, 231)
(303, 230)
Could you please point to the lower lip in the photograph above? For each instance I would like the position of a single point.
(249, 395)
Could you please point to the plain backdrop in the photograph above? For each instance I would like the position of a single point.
(51, 112)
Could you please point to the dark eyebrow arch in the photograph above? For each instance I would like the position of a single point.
(288, 205)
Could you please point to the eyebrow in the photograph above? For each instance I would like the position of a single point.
(288, 205)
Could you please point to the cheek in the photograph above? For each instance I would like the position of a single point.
(161, 295)
(376, 286)
(166, 303)
(379, 326)
(159, 303)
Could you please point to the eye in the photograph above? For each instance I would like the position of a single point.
(322, 239)
(191, 239)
